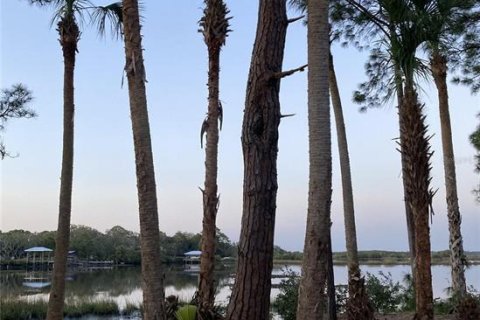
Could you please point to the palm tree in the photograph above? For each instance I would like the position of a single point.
(448, 24)
(152, 272)
(14, 104)
(250, 298)
(311, 298)
(358, 306)
(66, 13)
(214, 26)
(401, 30)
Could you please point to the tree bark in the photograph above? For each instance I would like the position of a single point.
(408, 210)
(210, 197)
(152, 274)
(457, 257)
(416, 151)
(250, 299)
(311, 300)
(69, 37)
(358, 306)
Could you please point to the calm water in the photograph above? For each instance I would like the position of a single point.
(123, 284)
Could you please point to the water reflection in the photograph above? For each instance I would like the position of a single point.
(124, 284)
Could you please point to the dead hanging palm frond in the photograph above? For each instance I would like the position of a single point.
(112, 13)
(203, 130)
(220, 114)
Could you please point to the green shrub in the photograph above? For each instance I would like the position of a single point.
(186, 312)
(286, 302)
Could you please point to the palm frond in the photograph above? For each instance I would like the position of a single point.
(111, 14)
(300, 5)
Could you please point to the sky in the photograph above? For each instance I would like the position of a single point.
(104, 189)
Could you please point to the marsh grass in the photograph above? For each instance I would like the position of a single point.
(15, 309)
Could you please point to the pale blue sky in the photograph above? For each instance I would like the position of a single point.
(104, 192)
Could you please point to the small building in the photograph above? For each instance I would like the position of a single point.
(38, 276)
(39, 255)
(192, 261)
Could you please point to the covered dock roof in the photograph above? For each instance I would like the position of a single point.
(193, 253)
(38, 249)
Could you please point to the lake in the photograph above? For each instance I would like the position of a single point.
(123, 284)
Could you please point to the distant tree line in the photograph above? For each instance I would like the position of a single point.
(123, 246)
(116, 244)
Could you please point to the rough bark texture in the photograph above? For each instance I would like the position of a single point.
(408, 210)
(152, 274)
(250, 299)
(215, 28)
(311, 300)
(69, 36)
(358, 306)
(457, 257)
(416, 151)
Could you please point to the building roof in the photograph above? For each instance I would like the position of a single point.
(38, 249)
(193, 253)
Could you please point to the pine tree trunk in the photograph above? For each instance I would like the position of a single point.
(311, 299)
(250, 299)
(358, 306)
(416, 151)
(152, 274)
(457, 258)
(210, 198)
(69, 36)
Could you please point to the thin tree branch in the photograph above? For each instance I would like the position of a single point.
(380, 23)
(287, 115)
(295, 19)
(284, 74)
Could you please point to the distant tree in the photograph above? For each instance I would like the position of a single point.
(13, 243)
(124, 245)
(14, 104)
(214, 27)
(88, 243)
(46, 239)
(224, 247)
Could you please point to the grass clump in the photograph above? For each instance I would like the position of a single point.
(15, 309)
(103, 307)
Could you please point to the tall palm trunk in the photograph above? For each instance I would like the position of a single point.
(457, 258)
(152, 274)
(215, 28)
(311, 299)
(210, 197)
(69, 36)
(416, 151)
(408, 210)
(358, 306)
(250, 297)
